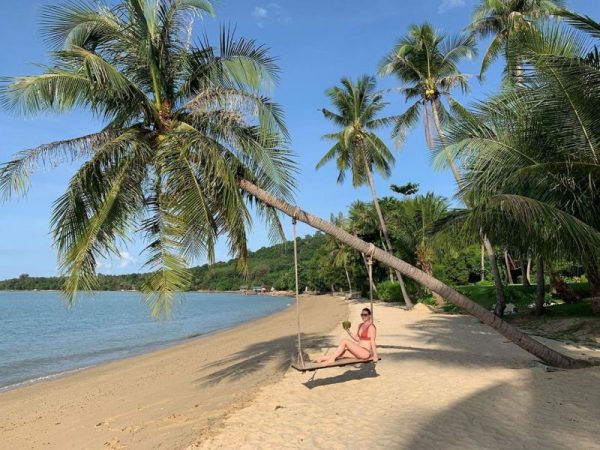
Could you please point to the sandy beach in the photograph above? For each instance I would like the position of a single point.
(165, 399)
(444, 382)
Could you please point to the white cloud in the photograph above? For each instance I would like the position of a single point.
(447, 5)
(125, 259)
(260, 12)
(103, 264)
(271, 13)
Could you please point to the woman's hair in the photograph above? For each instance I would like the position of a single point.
(367, 310)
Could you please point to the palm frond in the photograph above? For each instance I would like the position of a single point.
(15, 174)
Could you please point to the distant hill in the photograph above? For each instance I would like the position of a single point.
(268, 266)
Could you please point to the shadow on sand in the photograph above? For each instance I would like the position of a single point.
(549, 415)
(254, 358)
(363, 372)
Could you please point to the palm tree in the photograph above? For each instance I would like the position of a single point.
(185, 167)
(426, 63)
(501, 20)
(532, 154)
(340, 254)
(357, 148)
(177, 137)
(418, 220)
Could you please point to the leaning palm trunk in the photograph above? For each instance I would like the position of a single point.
(523, 340)
(388, 243)
(500, 300)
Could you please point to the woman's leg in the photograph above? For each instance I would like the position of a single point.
(347, 345)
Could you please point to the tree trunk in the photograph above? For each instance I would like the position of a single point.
(348, 278)
(524, 273)
(390, 270)
(540, 289)
(489, 249)
(512, 333)
(560, 288)
(438, 128)
(592, 272)
(500, 301)
(482, 262)
(509, 278)
(388, 243)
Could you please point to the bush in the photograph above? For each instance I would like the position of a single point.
(389, 291)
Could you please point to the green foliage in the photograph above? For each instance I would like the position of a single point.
(405, 189)
(459, 266)
(389, 291)
(521, 296)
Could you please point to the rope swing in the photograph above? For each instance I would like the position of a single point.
(294, 220)
(312, 367)
(370, 271)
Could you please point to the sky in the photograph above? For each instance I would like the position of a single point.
(316, 43)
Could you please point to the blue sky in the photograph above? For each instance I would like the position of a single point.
(316, 42)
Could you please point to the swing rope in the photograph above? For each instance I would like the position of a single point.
(300, 357)
(370, 270)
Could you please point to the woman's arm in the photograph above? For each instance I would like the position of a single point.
(353, 336)
(373, 335)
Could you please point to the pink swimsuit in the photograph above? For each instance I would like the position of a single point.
(365, 335)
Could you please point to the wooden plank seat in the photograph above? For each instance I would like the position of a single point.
(311, 367)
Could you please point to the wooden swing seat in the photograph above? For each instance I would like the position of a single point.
(311, 367)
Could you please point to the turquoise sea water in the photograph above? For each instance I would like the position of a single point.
(40, 338)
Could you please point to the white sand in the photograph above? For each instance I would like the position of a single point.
(165, 399)
(444, 382)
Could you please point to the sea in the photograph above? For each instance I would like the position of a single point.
(40, 338)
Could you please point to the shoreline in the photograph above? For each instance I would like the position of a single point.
(148, 349)
(167, 397)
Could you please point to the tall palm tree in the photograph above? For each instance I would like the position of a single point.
(426, 64)
(501, 20)
(357, 148)
(183, 168)
(177, 135)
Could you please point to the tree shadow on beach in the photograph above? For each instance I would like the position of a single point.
(536, 409)
(363, 372)
(278, 353)
(541, 413)
(484, 347)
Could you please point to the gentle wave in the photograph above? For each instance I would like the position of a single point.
(43, 378)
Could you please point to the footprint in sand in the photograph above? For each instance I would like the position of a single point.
(114, 444)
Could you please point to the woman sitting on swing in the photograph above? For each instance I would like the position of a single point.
(361, 346)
